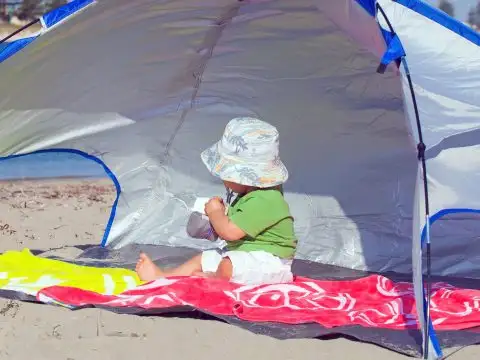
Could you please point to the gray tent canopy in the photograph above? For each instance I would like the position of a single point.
(150, 101)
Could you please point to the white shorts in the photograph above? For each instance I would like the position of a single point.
(250, 268)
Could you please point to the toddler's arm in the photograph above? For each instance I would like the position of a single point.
(226, 229)
(222, 225)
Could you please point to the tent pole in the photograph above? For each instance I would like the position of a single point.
(421, 157)
(421, 147)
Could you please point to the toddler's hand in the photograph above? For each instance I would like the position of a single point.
(213, 205)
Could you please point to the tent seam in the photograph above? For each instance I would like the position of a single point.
(199, 68)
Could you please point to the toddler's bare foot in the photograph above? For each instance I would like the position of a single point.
(146, 269)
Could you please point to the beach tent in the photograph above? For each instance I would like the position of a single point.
(377, 104)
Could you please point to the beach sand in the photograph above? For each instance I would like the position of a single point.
(6, 29)
(47, 214)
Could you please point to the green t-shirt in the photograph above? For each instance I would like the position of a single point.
(265, 216)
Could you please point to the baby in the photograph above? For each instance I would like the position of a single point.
(257, 226)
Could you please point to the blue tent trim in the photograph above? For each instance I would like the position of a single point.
(442, 18)
(431, 13)
(87, 156)
(433, 335)
(11, 48)
(445, 212)
(394, 50)
(437, 216)
(61, 13)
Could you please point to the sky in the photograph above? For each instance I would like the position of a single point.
(461, 7)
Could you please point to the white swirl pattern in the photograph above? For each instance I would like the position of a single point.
(373, 301)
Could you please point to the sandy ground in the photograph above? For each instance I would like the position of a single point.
(43, 215)
(7, 29)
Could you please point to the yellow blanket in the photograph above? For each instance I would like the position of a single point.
(22, 271)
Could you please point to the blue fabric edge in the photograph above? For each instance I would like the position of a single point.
(13, 47)
(65, 11)
(85, 155)
(441, 18)
(431, 330)
(444, 212)
(435, 217)
(394, 50)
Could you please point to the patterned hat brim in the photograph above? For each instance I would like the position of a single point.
(261, 175)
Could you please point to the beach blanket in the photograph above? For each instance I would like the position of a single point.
(372, 301)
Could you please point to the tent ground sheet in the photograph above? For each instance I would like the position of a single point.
(322, 300)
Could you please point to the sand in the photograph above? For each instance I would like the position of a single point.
(47, 214)
(7, 29)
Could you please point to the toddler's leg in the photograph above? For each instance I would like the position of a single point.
(148, 271)
(258, 267)
(225, 269)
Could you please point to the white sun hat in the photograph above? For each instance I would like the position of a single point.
(247, 154)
